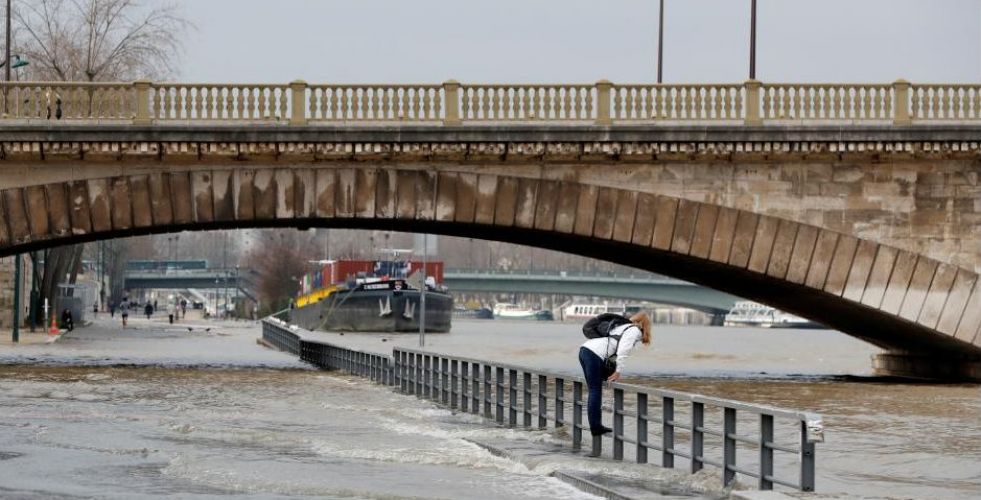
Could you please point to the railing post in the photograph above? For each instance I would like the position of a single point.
(766, 453)
(298, 102)
(512, 397)
(603, 88)
(444, 389)
(900, 103)
(451, 102)
(499, 382)
(729, 446)
(576, 415)
(667, 432)
(807, 459)
(542, 401)
(559, 402)
(641, 428)
(526, 387)
(487, 391)
(142, 102)
(454, 383)
(427, 377)
(399, 371)
(697, 436)
(474, 388)
(753, 102)
(419, 376)
(617, 423)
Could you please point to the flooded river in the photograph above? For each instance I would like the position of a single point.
(208, 413)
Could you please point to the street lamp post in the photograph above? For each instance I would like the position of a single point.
(6, 59)
(752, 40)
(660, 41)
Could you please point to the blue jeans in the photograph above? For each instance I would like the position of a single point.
(592, 369)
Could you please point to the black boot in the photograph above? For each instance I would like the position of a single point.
(600, 431)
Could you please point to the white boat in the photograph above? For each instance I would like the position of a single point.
(505, 310)
(586, 311)
(747, 313)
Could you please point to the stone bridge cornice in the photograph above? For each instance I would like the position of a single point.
(484, 143)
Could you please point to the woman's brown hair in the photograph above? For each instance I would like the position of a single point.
(643, 321)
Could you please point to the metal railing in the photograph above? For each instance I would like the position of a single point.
(452, 103)
(703, 430)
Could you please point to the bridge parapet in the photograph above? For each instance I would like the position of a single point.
(453, 103)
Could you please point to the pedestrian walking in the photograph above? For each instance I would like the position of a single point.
(95, 310)
(171, 310)
(124, 310)
(603, 359)
(148, 310)
(67, 322)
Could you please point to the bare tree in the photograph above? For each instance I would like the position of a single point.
(279, 259)
(95, 40)
(99, 40)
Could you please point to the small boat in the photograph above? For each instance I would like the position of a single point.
(586, 311)
(514, 311)
(479, 313)
(503, 310)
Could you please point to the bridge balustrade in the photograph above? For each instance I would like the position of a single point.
(700, 429)
(453, 103)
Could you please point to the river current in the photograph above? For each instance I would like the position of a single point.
(158, 410)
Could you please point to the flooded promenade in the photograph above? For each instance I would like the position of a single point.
(199, 410)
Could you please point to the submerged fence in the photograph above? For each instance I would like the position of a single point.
(698, 429)
(454, 103)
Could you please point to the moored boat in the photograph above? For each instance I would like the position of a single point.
(586, 311)
(748, 313)
(373, 296)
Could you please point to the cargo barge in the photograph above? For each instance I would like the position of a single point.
(372, 296)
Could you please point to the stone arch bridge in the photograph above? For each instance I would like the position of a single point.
(871, 228)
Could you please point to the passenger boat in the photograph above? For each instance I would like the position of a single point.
(748, 313)
(372, 296)
(586, 311)
(503, 310)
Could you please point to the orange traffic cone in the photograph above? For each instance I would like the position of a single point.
(54, 326)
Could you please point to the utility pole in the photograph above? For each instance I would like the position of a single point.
(6, 67)
(422, 293)
(660, 41)
(17, 287)
(752, 40)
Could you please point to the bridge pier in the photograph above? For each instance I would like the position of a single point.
(918, 366)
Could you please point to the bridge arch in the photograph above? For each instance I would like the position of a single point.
(893, 298)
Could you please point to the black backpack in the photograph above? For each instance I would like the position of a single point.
(601, 325)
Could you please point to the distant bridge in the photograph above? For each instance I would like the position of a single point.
(183, 280)
(640, 287)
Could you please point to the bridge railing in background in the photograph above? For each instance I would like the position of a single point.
(700, 429)
(170, 102)
(453, 103)
(374, 103)
(68, 101)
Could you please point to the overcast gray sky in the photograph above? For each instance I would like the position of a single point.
(580, 40)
